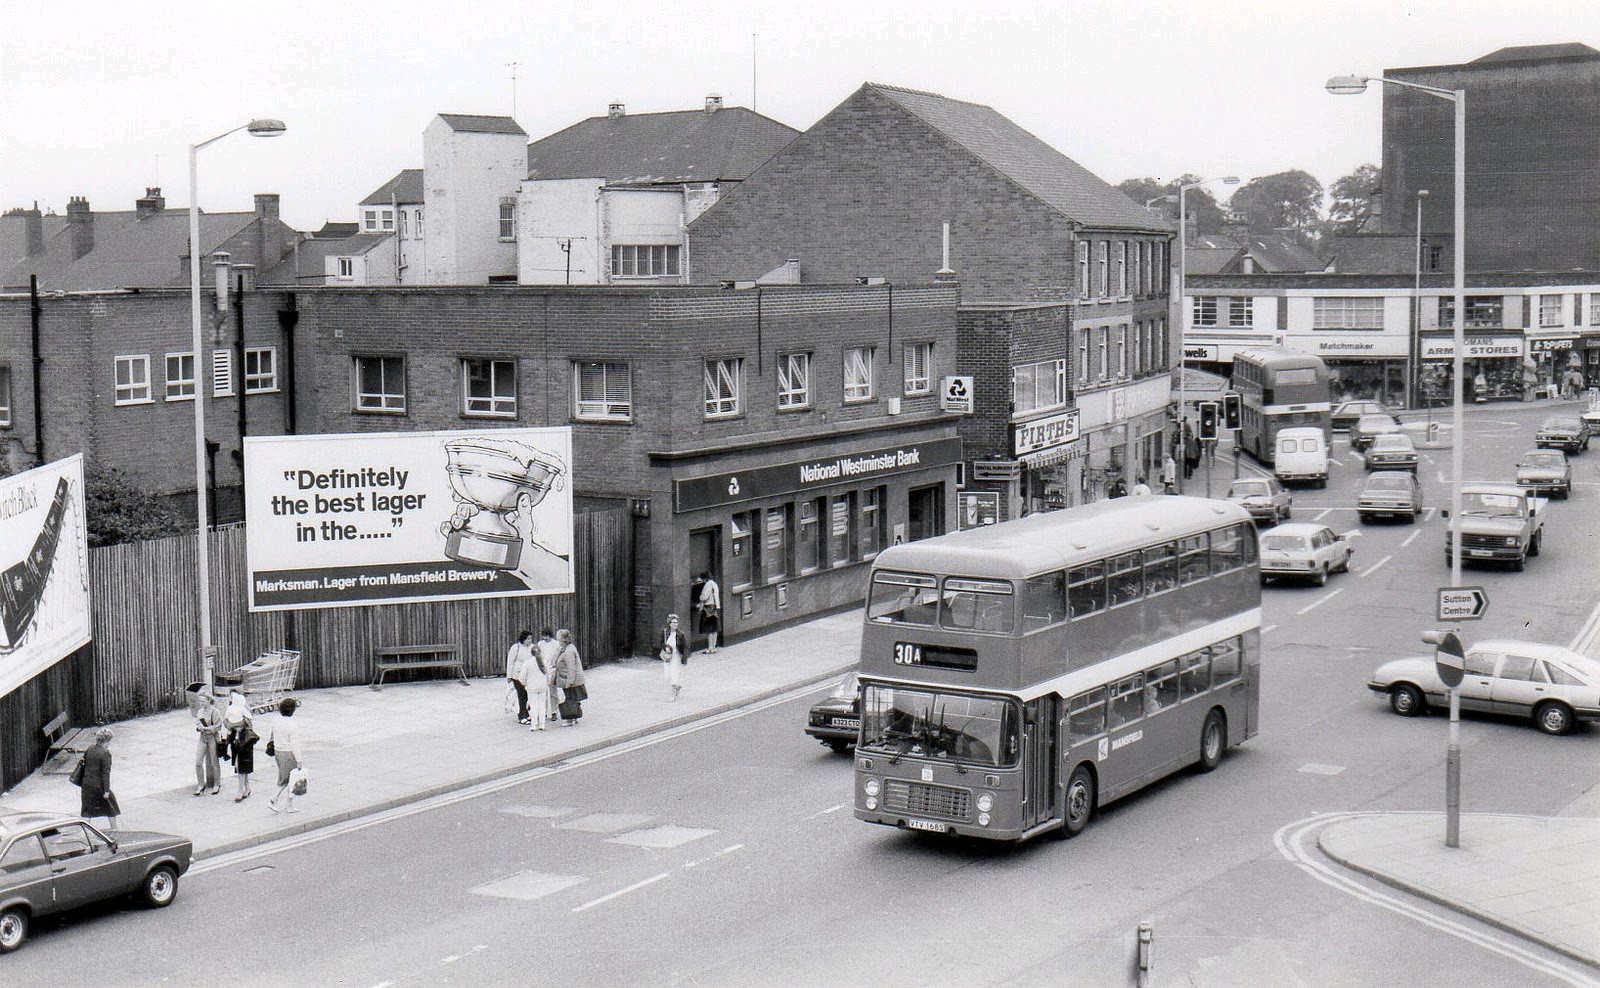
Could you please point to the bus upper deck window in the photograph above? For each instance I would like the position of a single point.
(976, 605)
(903, 598)
(1044, 601)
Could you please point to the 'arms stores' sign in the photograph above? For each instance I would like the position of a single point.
(695, 493)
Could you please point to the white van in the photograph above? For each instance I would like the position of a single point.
(1301, 454)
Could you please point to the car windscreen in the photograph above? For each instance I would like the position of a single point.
(1285, 543)
(1547, 459)
(1249, 488)
(1560, 424)
(941, 726)
(1491, 504)
(1388, 483)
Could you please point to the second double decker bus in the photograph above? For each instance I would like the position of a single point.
(1017, 676)
(1278, 389)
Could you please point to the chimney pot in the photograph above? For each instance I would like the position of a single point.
(150, 204)
(713, 103)
(616, 109)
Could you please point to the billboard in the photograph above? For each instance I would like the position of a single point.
(44, 570)
(386, 518)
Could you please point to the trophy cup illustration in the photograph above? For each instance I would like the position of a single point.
(490, 478)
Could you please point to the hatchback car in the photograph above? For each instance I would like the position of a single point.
(836, 720)
(1545, 471)
(1391, 451)
(1347, 413)
(50, 863)
(1390, 494)
(1555, 686)
(1265, 498)
(1368, 427)
(1304, 551)
(1568, 433)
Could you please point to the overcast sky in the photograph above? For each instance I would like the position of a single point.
(101, 99)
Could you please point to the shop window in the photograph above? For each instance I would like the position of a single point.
(741, 550)
(180, 377)
(775, 545)
(794, 381)
(604, 391)
(489, 387)
(1038, 386)
(872, 520)
(808, 546)
(839, 517)
(860, 366)
(723, 380)
(1339, 312)
(918, 367)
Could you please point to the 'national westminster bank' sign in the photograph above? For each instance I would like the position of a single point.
(694, 493)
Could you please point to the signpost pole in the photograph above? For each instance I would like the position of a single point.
(1452, 774)
(1211, 461)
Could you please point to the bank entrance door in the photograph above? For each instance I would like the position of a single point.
(925, 512)
(705, 556)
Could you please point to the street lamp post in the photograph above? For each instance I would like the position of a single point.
(257, 128)
(1183, 268)
(1347, 85)
(1415, 368)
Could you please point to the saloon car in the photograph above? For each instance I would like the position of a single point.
(1263, 497)
(51, 863)
(1347, 413)
(836, 720)
(1368, 427)
(1545, 471)
(1591, 417)
(1555, 686)
(1391, 451)
(1304, 551)
(1390, 494)
(1568, 433)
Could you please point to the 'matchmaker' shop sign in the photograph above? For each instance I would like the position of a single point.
(695, 493)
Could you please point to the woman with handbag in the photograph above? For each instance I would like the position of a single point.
(95, 778)
(208, 724)
(674, 653)
(242, 740)
(569, 679)
(519, 660)
(283, 744)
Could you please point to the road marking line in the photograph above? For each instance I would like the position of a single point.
(1428, 515)
(1368, 570)
(1325, 513)
(1317, 768)
(831, 809)
(1440, 475)
(1411, 538)
(1319, 603)
(1357, 457)
(631, 888)
(1352, 533)
(1268, 628)
(1586, 634)
(726, 850)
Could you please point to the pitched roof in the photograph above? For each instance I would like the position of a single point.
(305, 266)
(147, 253)
(1534, 53)
(1040, 169)
(14, 240)
(1210, 260)
(332, 230)
(474, 123)
(405, 188)
(1374, 253)
(678, 146)
(1280, 254)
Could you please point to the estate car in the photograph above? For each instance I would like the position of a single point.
(1305, 551)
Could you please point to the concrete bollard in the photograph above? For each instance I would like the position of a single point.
(1146, 934)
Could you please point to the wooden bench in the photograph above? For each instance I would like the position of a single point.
(63, 740)
(393, 658)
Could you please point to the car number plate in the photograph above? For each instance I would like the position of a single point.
(1479, 552)
(932, 826)
(849, 722)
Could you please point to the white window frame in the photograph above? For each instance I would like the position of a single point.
(1122, 267)
(498, 404)
(724, 387)
(258, 380)
(222, 373)
(136, 389)
(1102, 282)
(387, 217)
(1203, 310)
(369, 221)
(386, 402)
(1135, 259)
(1122, 349)
(1552, 311)
(5, 395)
(1103, 342)
(1085, 344)
(646, 260)
(178, 387)
(860, 374)
(918, 358)
(794, 381)
(1594, 308)
(1241, 311)
(418, 214)
(1030, 381)
(1083, 269)
(346, 268)
(613, 402)
(1347, 312)
(508, 219)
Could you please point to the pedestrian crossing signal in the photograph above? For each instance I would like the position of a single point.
(1208, 420)
(1230, 410)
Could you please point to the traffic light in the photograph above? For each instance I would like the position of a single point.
(1230, 410)
(1208, 420)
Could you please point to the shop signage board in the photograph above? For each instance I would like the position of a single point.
(955, 395)
(695, 493)
(1044, 433)
(1336, 345)
(978, 508)
(378, 518)
(1477, 347)
(1200, 351)
(44, 570)
(1552, 345)
(996, 469)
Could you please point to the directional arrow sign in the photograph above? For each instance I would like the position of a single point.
(1462, 603)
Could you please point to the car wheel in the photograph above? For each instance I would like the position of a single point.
(1366, 519)
(839, 746)
(160, 887)
(1553, 717)
(1535, 545)
(1411, 519)
(1080, 802)
(13, 929)
(1213, 741)
(1322, 577)
(1407, 701)
(1519, 563)
(1344, 567)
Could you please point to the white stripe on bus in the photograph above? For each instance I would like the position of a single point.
(1308, 406)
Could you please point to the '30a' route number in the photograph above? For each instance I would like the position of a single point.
(907, 654)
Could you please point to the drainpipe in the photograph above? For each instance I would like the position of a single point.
(239, 375)
(35, 312)
(288, 318)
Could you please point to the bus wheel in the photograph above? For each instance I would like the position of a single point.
(1213, 740)
(1080, 802)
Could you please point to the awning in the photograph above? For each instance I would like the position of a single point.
(1075, 450)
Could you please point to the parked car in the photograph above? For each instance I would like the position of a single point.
(1390, 494)
(1545, 471)
(1368, 427)
(1391, 451)
(1301, 453)
(1347, 413)
(50, 863)
(1591, 417)
(1305, 551)
(1263, 497)
(836, 720)
(1555, 686)
(1568, 433)
(1498, 522)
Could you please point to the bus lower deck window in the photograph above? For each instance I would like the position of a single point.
(1088, 717)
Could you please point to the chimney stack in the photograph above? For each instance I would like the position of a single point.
(616, 110)
(219, 263)
(33, 224)
(80, 224)
(266, 206)
(713, 103)
(150, 204)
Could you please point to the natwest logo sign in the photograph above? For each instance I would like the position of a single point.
(1046, 433)
(693, 493)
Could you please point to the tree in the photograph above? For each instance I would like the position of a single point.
(1290, 200)
(1204, 212)
(1353, 198)
(120, 511)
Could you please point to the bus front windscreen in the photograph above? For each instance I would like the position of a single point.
(975, 730)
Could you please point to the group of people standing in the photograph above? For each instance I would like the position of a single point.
(547, 674)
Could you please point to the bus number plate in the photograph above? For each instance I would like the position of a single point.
(932, 826)
(907, 654)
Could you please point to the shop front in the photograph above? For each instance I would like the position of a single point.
(1591, 360)
(1050, 453)
(1361, 365)
(789, 532)
(1557, 363)
(1496, 367)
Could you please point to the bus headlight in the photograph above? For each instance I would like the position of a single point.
(983, 819)
(871, 787)
(985, 803)
(872, 803)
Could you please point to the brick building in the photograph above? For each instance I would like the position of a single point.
(1064, 284)
(759, 434)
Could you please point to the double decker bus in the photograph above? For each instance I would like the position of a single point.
(1017, 676)
(1278, 389)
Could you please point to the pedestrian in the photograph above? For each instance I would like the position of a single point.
(519, 662)
(1169, 475)
(283, 744)
(1117, 488)
(544, 654)
(208, 725)
(1142, 489)
(569, 678)
(242, 740)
(674, 653)
(710, 607)
(1191, 451)
(97, 799)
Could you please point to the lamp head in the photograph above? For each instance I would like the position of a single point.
(266, 127)
(1231, 180)
(1422, 193)
(1346, 85)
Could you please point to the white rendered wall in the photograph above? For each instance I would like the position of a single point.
(465, 175)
